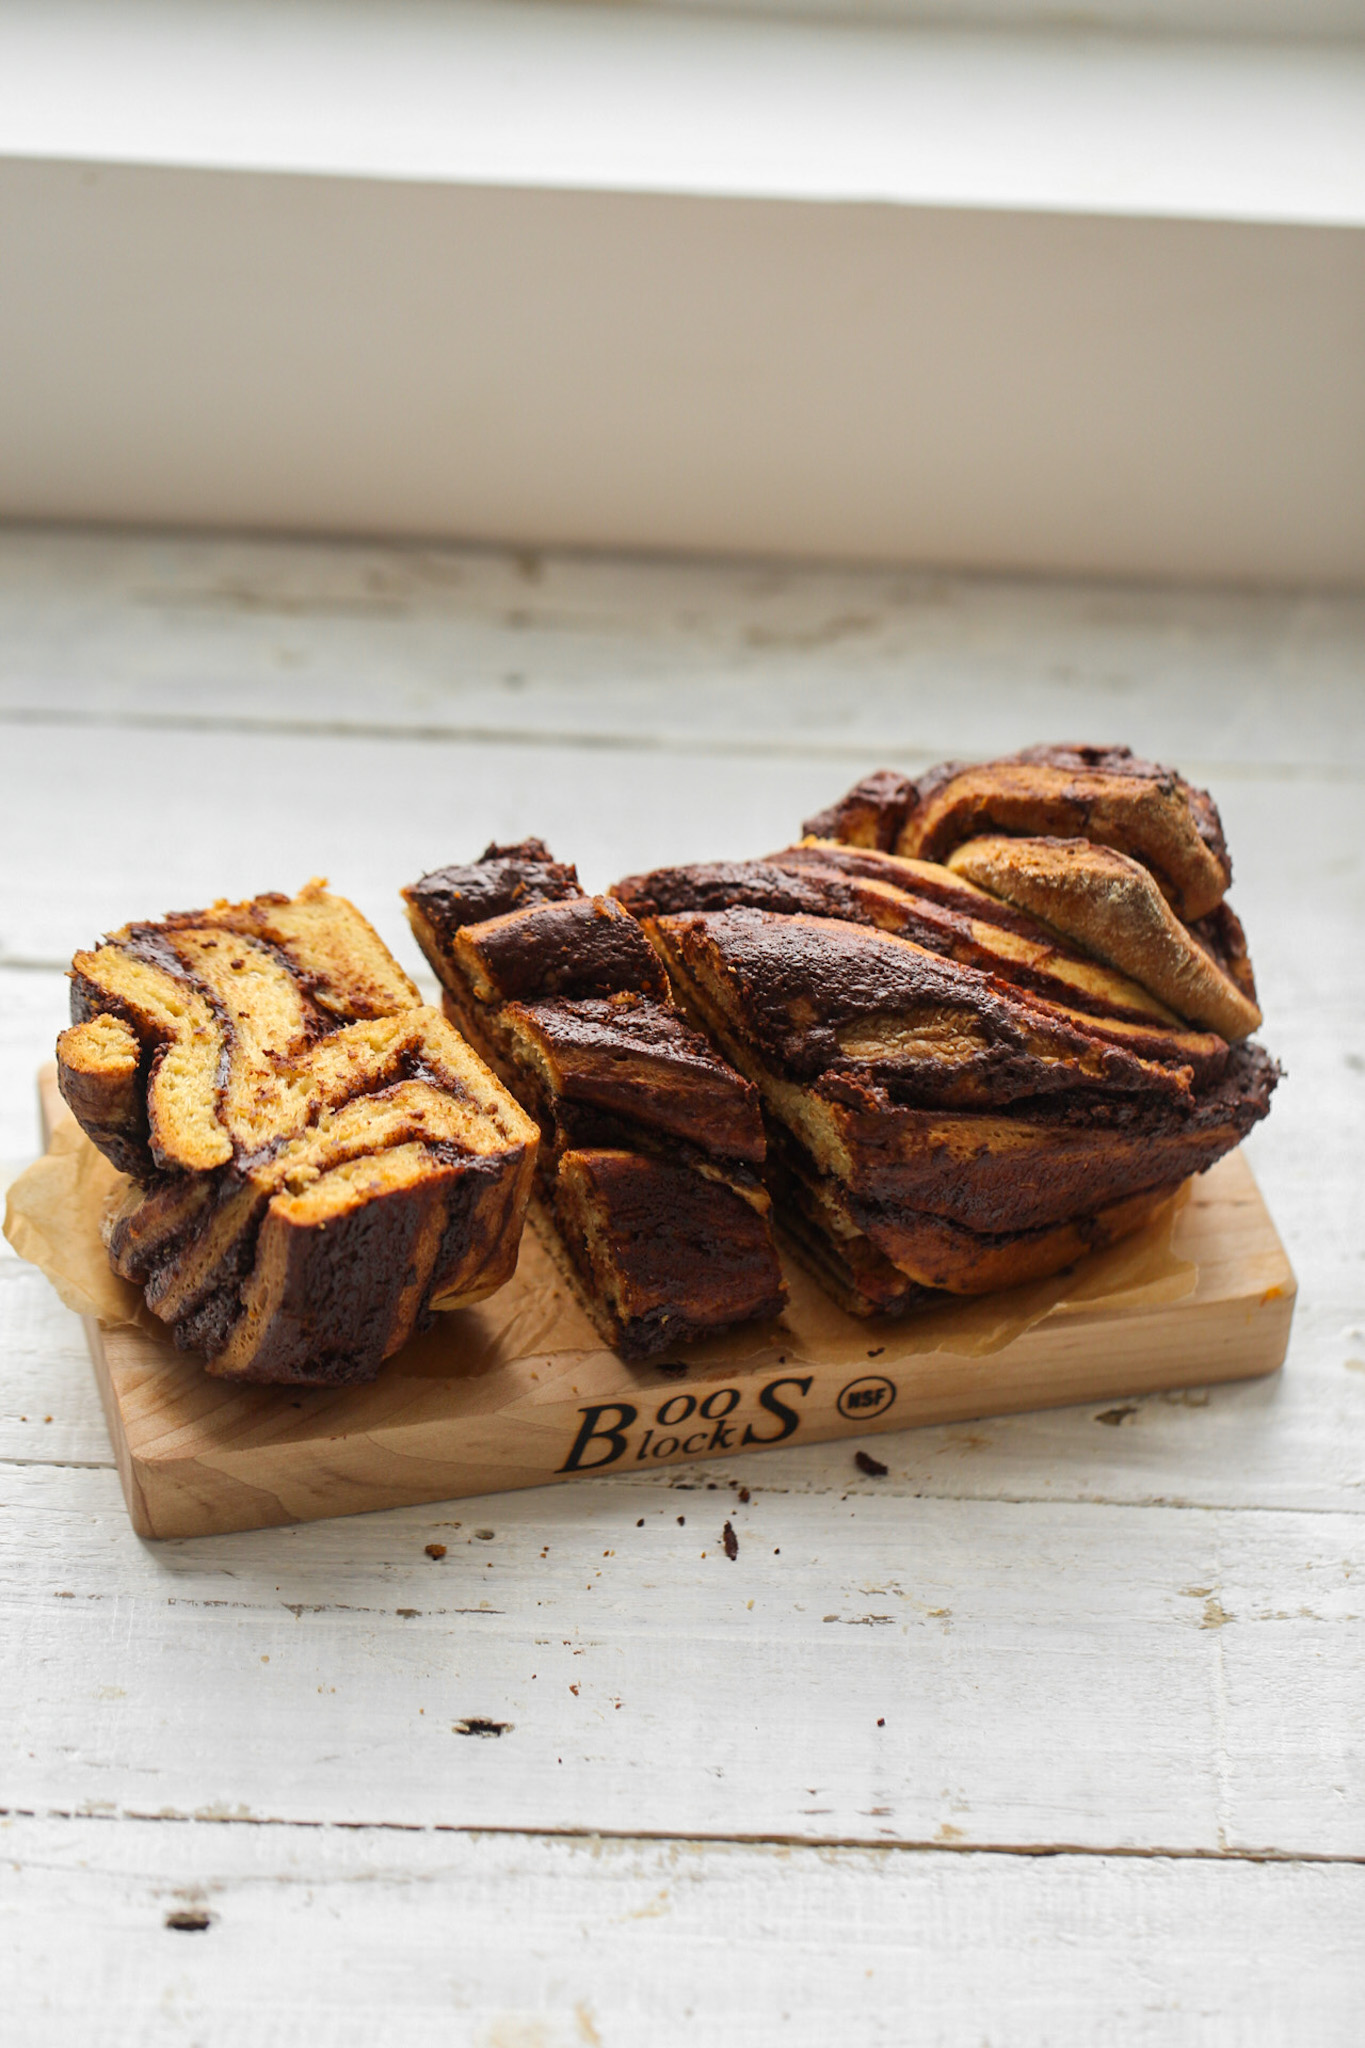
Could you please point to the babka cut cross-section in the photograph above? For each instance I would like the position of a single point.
(650, 1190)
(317, 1160)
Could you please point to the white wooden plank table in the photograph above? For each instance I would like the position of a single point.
(1053, 1734)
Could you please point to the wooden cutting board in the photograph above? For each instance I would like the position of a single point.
(519, 1391)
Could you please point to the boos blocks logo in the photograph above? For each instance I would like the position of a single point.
(615, 1433)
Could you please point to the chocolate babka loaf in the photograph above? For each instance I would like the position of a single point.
(649, 1184)
(983, 1050)
(318, 1161)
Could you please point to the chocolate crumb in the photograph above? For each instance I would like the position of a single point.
(744, 1493)
(189, 1920)
(873, 1467)
(641, 1523)
(436, 1550)
(881, 1720)
(682, 1521)
(731, 1542)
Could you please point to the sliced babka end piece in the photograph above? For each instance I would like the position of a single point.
(99, 1073)
(662, 1255)
(1110, 904)
(281, 1138)
(1104, 794)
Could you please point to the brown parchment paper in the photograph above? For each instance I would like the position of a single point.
(55, 1208)
(53, 1213)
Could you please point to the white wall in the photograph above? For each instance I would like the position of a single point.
(612, 278)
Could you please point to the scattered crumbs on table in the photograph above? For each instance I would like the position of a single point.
(189, 1920)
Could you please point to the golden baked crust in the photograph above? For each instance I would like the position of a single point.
(1111, 905)
(1104, 794)
(319, 1161)
(651, 1144)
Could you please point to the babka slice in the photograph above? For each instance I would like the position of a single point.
(318, 1161)
(649, 1184)
(959, 1094)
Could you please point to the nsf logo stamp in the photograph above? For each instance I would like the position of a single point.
(866, 1398)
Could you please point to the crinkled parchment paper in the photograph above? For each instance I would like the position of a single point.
(53, 1213)
(55, 1208)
